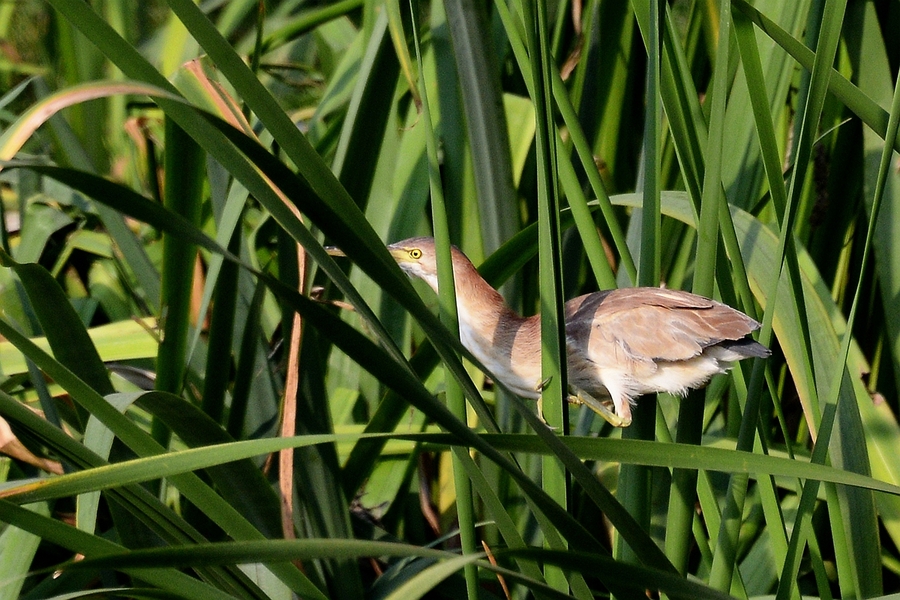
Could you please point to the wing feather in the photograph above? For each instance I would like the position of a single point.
(651, 324)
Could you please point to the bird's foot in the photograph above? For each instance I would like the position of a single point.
(578, 396)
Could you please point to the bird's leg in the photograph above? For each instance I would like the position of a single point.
(540, 410)
(540, 401)
(578, 396)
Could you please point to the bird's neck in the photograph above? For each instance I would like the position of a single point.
(478, 304)
(488, 327)
(482, 305)
(503, 341)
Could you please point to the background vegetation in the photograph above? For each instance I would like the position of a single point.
(200, 402)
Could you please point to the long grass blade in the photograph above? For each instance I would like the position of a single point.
(185, 175)
(465, 510)
(484, 122)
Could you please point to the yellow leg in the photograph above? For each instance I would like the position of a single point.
(539, 388)
(540, 413)
(578, 396)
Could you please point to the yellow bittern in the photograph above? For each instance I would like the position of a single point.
(620, 343)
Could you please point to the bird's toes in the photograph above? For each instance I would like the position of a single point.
(605, 409)
(624, 422)
(542, 385)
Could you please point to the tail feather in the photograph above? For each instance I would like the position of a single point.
(746, 347)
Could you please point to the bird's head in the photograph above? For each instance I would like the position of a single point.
(416, 256)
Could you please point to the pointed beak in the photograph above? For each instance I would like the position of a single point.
(398, 254)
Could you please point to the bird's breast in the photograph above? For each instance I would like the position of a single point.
(507, 348)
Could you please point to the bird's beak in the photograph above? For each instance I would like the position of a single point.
(399, 253)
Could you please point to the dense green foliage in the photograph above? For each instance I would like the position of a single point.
(203, 403)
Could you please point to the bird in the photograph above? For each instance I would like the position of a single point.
(620, 343)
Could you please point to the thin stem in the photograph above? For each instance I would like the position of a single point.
(456, 402)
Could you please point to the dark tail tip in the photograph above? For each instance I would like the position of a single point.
(748, 347)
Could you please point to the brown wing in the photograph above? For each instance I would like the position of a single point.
(653, 323)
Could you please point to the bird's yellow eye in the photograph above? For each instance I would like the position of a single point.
(415, 254)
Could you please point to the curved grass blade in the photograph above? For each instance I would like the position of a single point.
(242, 484)
(141, 505)
(874, 77)
(65, 332)
(306, 22)
(638, 578)
(225, 516)
(68, 537)
(102, 476)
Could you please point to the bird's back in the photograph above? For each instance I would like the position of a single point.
(632, 341)
(657, 324)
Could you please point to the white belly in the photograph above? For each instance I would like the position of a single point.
(523, 380)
